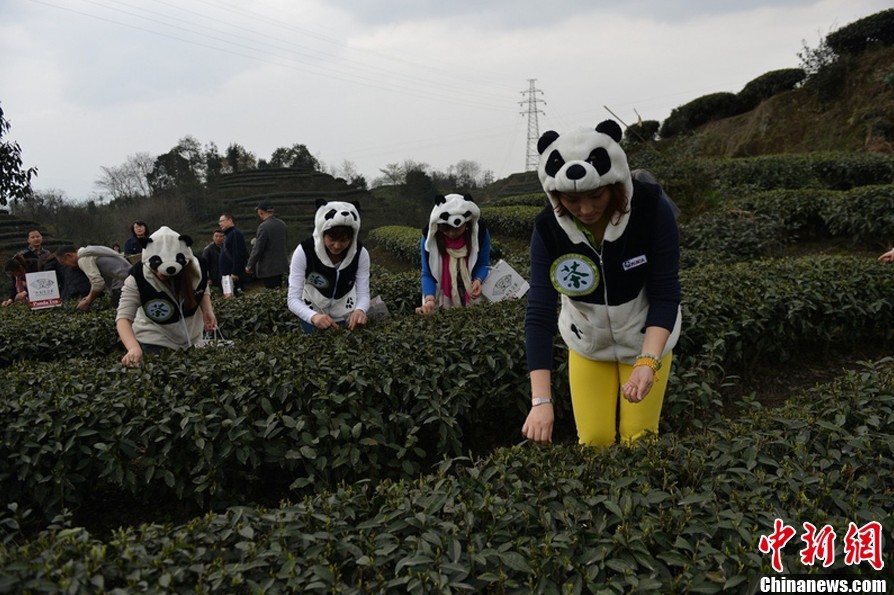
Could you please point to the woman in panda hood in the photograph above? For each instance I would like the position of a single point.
(165, 302)
(455, 254)
(608, 246)
(329, 273)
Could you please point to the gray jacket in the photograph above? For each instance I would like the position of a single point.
(104, 267)
(269, 254)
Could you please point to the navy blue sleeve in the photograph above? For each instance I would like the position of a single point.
(663, 286)
(541, 318)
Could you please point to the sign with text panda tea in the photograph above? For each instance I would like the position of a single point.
(503, 282)
(43, 290)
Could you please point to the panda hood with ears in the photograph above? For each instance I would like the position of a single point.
(335, 214)
(452, 210)
(167, 253)
(581, 160)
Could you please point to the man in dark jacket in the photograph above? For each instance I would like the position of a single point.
(269, 258)
(211, 255)
(233, 254)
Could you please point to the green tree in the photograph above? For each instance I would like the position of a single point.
(240, 159)
(296, 157)
(15, 182)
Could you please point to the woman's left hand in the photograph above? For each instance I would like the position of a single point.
(358, 318)
(639, 384)
(210, 320)
(475, 290)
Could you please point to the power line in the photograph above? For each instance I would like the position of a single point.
(533, 125)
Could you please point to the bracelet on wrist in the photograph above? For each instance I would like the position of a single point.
(536, 401)
(647, 359)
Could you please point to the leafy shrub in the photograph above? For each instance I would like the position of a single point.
(399, 240)
(537, 199)
(669, 515)
(642, 132)
(514, 221)
(799, 211)
(863, 214)
(822, 170)
(305, 411)
(857, 37)
(697, 112)
(769, 84)
(46, 334)
(285, 409)
(735, 234)
(742, 315)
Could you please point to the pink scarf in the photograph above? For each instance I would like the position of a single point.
(446, 280)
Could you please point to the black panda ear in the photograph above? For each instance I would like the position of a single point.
(144, 241)
(320, 202)
(468, 197)
(440, 199)
(186, 240)
(356, 205)
(611, 128)
(546, 139)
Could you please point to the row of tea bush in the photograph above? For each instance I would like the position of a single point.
(284, 411)
(676, 514)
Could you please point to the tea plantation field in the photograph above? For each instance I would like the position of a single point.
(390, 459)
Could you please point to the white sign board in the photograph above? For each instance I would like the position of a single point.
(503, 283)
(43, 290)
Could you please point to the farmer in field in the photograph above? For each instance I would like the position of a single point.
(15, 269)
(455, 251)
(165, 303)
(105, 268)
(329, 272)
(608, 247)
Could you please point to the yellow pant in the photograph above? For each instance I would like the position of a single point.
(599, 409)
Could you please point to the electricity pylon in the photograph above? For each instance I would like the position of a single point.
(533, 126)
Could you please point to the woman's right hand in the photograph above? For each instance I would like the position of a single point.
(323, 321)
(539, 424)
(133, 357)
(428, 305)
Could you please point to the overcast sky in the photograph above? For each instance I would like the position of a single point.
(88, 83)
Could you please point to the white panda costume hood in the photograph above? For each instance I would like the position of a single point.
(582, 160)
(162, 318)
(168, 252)
(335, 214)
(452, 210)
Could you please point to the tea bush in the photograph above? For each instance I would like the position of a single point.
(668, 515)
(864, 214)
(400, 241)
(822, 170)
(537, 199)
(769, 84)
(516, 221)
(283, 410)
(735, 235)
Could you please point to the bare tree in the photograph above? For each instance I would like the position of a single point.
(128, 180)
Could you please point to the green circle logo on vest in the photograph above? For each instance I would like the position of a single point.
(159, 310)
(574, 275)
